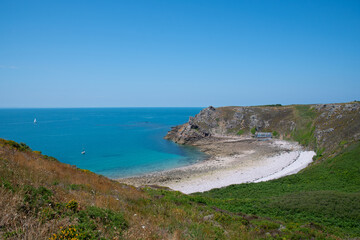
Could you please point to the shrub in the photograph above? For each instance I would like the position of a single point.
(22, 146)
(107, 217)
(71, 233)
(35, 198)
(72, 205)
(85, 170)
(7, 185)
(253, 130)
(223, 218)
(50, 158)
(47, 214)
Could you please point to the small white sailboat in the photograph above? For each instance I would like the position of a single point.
(35, 121)
(83, 152)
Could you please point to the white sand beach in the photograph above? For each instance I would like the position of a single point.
(238, 161)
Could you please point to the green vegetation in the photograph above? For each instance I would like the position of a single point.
(325, 195)
(240, 132)
(50, 158)
(253, 130)
(319, 153)
(89, 220)
(40, 203)
(273, 105)
(18, 146)
(75, 186)
(275, 133)
(35, 198)
(10, 235)
(7, 185)
(304, 132)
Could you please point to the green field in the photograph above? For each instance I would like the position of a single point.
(326, 195)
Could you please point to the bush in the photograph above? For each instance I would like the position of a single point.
(72, 205)
(71, 233)
(7, 185)
(50, 158)
(253, 130)
(22, 146)
(89, 221)
(107, 217)
(36, 198)
(85, 170)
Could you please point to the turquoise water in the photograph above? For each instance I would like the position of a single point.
(119, 142)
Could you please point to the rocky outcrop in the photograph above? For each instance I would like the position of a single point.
(337, 124)
(229, 121)
(319, 126)
(195, 129)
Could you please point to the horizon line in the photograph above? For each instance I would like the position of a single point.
(272, 104)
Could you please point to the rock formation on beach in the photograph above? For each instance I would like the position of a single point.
(323, 126)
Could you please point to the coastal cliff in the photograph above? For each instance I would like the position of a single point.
(322, 127)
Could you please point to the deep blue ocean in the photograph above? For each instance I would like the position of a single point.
(118, 142)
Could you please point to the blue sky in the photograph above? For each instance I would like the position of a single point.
(178, 53)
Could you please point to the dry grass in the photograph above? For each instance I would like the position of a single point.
(149, 213)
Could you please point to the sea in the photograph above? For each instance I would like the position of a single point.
(118, 142)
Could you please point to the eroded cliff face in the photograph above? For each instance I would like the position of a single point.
(323, 127)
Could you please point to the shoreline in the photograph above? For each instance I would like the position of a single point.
(233, 160)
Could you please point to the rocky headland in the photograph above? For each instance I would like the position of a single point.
(318, 127)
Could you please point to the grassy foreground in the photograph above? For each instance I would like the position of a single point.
(41, 198)
(325, 196)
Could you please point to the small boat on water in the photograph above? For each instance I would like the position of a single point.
(35, 121)
(83, 152)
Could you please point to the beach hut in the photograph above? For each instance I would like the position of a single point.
(263, 135)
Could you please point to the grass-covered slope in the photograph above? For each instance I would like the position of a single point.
(41, 198)
(325, 195)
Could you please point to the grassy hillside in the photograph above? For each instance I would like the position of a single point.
(325, 196)
(41, 198)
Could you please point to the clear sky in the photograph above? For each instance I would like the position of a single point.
(178, 53)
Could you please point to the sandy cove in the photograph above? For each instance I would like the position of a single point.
(233, 160)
